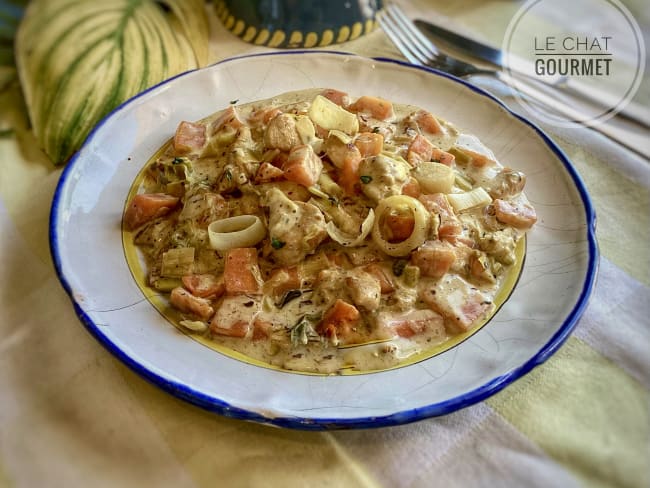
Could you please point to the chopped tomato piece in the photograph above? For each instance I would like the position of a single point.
(303, 166)
(427, 122)
(241, 272)
(434, 258)
(186, 302)
(369, 144)
(517, 214)
(204, 285)
(412, 188)
(148, 206)
(420, 150)
(267, 172)
(376, 107)
(189, 137)
(336, 96)
(339, 320)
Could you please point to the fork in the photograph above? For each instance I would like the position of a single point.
(419, 50)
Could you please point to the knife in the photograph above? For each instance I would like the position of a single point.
(520, 66)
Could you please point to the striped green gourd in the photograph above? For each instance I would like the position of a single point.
(79, 59)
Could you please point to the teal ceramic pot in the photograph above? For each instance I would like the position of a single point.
(295, 23)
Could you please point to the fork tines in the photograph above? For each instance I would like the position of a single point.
(406, 36)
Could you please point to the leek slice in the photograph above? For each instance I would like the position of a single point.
(233, 232)
(330, 116)
(470, 199)
(351, 241)
(177, 262)
(434, 177)
(421, 217)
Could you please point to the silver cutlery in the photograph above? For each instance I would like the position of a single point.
(523, 67)
(419, 50)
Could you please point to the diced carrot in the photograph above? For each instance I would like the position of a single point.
(267, 172)
(349, 177)
(147, 206)
(338, 259)
(339, 320)
(189, 137)
(241, 272)
(340, 152)
(427, 122)
(434, 258)
(398, 227)
(229, 118)
(477, 159)
(376, 107)
(412, 323)
(443, 157)
(283, 280)
(336, 96)
(238, 329)
(303, 166)
(261, 329)
(517, 214)
(420, 150)
(263, 115)
(378, 272)
(369, 144)
(438, 204)
(204, 285)
(321, 132)
(184, 301)
(459, 302)
(412, 188)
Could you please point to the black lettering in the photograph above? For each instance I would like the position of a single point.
(539, 67)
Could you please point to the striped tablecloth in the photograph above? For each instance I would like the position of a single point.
(72, 415)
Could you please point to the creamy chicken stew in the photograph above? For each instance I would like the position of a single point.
(313, 232)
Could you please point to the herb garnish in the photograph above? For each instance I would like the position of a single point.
(303, 330)
(365, 179)
(277, 243)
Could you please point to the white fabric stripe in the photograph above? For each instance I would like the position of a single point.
(495, 454)
(473, 447)
(621, 300)
(396, 455)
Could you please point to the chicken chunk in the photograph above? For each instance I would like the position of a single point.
(296, 228)
(461, 304)
(364, 288)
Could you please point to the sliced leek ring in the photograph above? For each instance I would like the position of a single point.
(351, 241)
(233, 232)
(470, 199)
(421, 219)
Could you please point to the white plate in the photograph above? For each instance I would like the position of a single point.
(86, 245)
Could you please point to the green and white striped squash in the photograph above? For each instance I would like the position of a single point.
(79, 59)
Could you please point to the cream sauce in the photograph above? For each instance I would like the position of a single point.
(315, 305)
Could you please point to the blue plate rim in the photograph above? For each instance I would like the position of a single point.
(221, 407)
